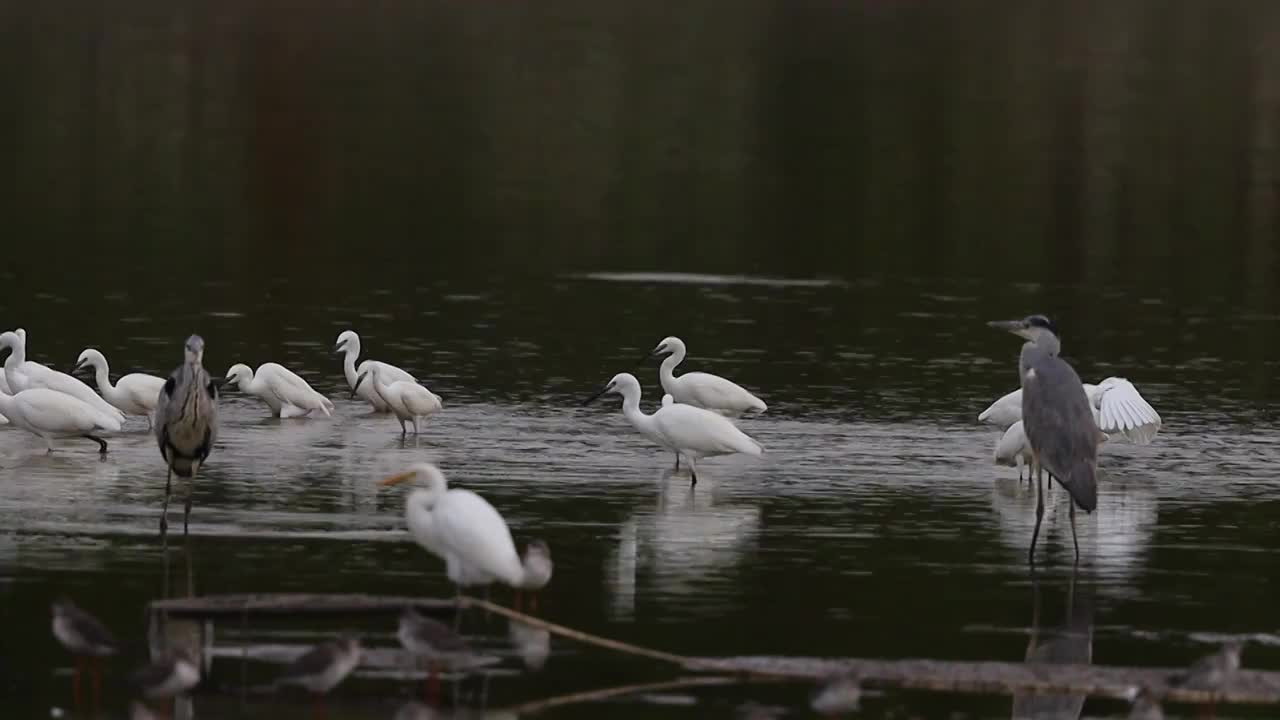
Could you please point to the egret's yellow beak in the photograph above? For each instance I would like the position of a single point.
(396, 479)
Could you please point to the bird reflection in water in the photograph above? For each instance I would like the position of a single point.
(532, 644)
(1070, 643)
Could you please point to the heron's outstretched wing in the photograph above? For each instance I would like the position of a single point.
(1122, 409)
(1060, 425)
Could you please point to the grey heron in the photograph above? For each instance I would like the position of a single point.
(186, 423)
(1057, 417)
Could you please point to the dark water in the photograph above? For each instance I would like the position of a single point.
(498, 198)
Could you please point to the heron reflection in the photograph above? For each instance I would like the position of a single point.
(1068, 643)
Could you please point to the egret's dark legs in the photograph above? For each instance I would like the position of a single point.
(102, 444)
(1074, 540)
(693, 473)
(404, 431)
(677, 461)
(1039, 515)
(164, 514)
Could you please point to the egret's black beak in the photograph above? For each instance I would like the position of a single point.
(219, 382)
(359, 382)
(340, 346)
(79, 366)
(603, 390)
(658, 352)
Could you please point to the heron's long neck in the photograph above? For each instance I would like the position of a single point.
(631, 410)
(349, 364)
(1049, 343)
(666, 373)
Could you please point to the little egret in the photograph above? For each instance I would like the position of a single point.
(24, 374)
(1013, 449)
(321, 668)
(406, 398)
(175, 673)
(288, 395)
(690, 431)
(468, 533)
(349, 345)
(700, 389)
(87, 639)
(49, 414)
(1058, 421)
(186, 423)
(1117, 406)
(667, 400)
(133, 394)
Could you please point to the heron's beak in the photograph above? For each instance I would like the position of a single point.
(603, 390)
(396, 479)
(359, 382)
(1017, 327)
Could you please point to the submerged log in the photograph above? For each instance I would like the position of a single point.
(284, 604)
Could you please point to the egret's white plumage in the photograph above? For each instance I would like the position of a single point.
(690, 431)
(406, 398)
(281, 389)
(700, 389)
(468, 533)
(133, 394)
(1013, 448)
(24, 374)
(50, 414)
(348, 344)
(1117, 407)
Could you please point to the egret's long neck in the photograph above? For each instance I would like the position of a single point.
(666, 373)
(17, 354)
(349, 362)
(103, 377)
(631, 409)
(245, 382)
(383, 390)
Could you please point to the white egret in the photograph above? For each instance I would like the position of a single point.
(667, 400)
(50, 414)
(691, 431)
(24, 374)
(133, 394)
(287, 395)
(348, 344)
(700, 389)
(468, 533)
(1117, 407)
(406, 398)
(1013, 449)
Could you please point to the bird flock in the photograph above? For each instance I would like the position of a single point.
(1052, 424)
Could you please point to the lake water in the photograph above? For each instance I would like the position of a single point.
(825, 201)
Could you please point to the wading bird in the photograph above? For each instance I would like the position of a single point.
(49, 414)
(690, 431)
(1013, 449)
(321, 668)
(186, 423)
(468, 533)
(1146, 706)
(439, 645)
(176, 673)
(1118, 408)
(24, 374)
(349, 345)
(87, 639)
(288, 395)
(700, 389)
(406, 398)
(1055, 413)
(133, 394)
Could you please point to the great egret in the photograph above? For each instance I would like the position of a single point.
(406, 398)
(87, 639)
(186, 423)
(49, 414)
(1118, 408)
(133, 394)
(24, 374)
(700, 389)
(288, 395)
(1059, 422)
(348, 344)
(176, 673)
(468, 533)
(321, 668)
(690, 431)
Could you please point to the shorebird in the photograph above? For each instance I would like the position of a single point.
(321, 668)
(174, 674)
(87, 639)
(438, 644)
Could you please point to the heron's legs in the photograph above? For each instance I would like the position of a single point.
(164, 514)
(1074, 540)
(102, 444)
(191, 490)
(1039, 514)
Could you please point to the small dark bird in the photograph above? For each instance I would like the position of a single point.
(1208, 672)
(1057, 418)
(321, 668)
(168, 677)
(1146, 706)
(186, 423)
(437, 643)
(87, 639)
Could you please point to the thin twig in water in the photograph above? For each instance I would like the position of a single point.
(620, 690)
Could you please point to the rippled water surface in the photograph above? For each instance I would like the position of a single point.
(826, 201)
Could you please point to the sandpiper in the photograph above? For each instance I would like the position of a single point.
(839, 695)
(1208, 672)
(321, 668)
(538, 569)
(1146, 706)
(87, 639)
(171, 675)
(437, 643)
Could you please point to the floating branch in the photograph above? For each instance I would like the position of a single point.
(278, 604)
